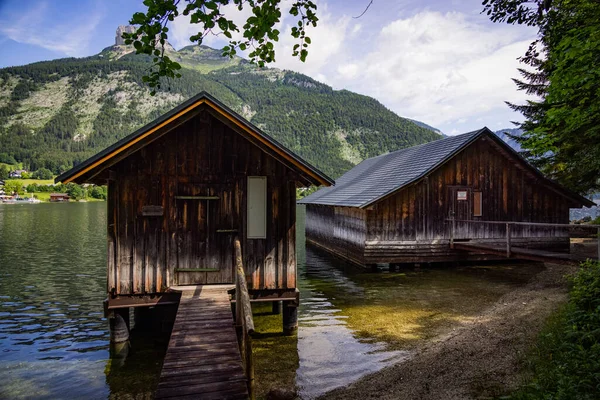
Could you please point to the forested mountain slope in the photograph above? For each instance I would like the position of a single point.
(57, 113)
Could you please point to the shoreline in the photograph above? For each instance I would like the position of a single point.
(481, 358)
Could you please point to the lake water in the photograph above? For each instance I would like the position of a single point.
(54, 338)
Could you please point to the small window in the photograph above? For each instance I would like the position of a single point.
(461, 195)
(257, 207)
(477, 204)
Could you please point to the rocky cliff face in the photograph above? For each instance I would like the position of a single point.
(119, 41)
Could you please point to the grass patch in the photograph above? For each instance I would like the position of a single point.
(37, 182)
(565, 362)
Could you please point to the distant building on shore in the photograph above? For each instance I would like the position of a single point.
(58, 197)
(17, 173)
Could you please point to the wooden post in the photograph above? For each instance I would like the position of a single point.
(508, 240)
(598, 240)
(119, 325)
(249, 366)
(290, 317)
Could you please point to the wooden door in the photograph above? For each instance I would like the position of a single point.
(460, 206)
(204, 247)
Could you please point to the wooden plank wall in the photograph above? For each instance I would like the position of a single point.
(201, 153)
(510, 193)
(341, 230)
(411, 225)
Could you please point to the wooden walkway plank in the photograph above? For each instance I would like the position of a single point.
(198, 379)
(203, 359)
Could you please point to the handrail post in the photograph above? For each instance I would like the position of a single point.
(249, 366)
(508, 240)
(243, 317)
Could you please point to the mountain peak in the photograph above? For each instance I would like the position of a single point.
(121, 29)
(119, 49)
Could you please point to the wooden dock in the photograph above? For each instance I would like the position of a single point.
(521, 253)
(509, 250)
(203, 360)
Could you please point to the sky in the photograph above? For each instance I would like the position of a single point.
(441, 62)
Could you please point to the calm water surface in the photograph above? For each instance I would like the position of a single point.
(54, 338)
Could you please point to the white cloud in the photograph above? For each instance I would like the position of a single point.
(348, 71)
(441, 68)
(328, 43)
(446, 69)
(68, 38)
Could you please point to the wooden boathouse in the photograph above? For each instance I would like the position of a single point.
(409, 205)
(180, 191)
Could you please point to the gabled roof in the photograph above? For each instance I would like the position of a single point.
(85, 171)
(377, 177)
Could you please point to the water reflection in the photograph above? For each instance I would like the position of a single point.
(352, 322)
(53, 335)
(54, 339)
(331, 354)
(52, 332)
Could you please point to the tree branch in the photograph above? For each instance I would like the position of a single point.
(365, 11)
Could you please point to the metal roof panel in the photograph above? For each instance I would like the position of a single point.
(376, 177)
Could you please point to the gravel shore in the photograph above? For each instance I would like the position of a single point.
(481, 358)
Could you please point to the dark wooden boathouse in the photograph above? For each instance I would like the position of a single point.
(398, 207)
(181, 188)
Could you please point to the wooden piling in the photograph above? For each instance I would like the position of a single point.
(119, 325)
(290, 317)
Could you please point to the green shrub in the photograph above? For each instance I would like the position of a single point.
(43, 173)
(566, 360)
(99, 192)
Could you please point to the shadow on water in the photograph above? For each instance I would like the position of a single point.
(135, 375)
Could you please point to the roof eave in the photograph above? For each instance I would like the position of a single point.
(313, 174)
